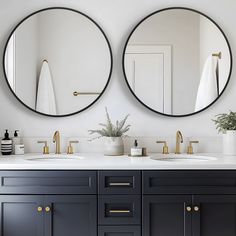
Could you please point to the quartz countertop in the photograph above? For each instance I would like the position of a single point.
(95, 161)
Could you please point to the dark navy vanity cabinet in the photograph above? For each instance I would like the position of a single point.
(48, 203)
(118, 203)
(189, 203)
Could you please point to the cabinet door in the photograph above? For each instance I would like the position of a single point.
(214, 215)
(20, 215)
(71, 215)
(167, 215)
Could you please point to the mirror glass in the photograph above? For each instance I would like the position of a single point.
(177, 61)
(58, 61)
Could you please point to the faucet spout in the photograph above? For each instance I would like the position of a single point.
(57, 140)
(179, 139)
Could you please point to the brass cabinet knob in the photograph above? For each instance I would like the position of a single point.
(188, 208)
(39, 209)
(196, 208)
(47, 209)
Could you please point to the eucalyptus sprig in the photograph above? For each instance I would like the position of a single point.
(225, 122)
(111, 130)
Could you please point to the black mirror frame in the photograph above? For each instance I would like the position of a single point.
(92, 21)
(166, 9)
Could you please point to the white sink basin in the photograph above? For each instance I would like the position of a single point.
(182, 158)
(55, 158)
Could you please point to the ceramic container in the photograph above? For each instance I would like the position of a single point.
(229, 142)
(113, 146)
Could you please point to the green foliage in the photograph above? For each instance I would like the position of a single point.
(112, 130)
(225, 122)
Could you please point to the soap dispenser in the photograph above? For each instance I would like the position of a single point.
(136, 150)
(18, 147)
(16, 139)
(6, 144)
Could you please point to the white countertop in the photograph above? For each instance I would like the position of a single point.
(95, 161)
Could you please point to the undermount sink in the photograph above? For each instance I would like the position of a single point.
(51, 158)
(182, 158)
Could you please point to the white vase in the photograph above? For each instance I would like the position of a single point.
(229, 142)
(113, 146)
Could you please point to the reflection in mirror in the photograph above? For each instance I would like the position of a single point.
(177, 62)
(57, 61)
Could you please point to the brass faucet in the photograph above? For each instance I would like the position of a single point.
(179, 139)
(165, 149)
(56, 139)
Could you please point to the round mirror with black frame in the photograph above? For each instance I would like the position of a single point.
(57, 61)
(177, 61)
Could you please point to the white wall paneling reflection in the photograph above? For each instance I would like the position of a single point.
(149, 74)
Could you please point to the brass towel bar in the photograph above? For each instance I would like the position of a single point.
(76, 93)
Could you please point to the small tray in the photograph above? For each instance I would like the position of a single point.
(129, 155)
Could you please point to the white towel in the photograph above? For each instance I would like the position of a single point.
(46, 102)
(208, 88)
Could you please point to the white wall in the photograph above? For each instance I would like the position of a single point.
(117, 19)
(180, 29)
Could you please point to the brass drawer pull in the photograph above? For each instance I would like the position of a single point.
(39, 209)
(196, 208)
(188, 208)
(47, 209)
(119, 211)
(119, 184)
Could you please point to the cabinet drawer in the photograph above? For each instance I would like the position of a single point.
(119, 182)
(189, 182)
(119, 231)
(119, 210)
(48, 182)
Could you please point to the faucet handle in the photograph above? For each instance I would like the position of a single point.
(45, 148)
(190, 147)
(165, 149)
(70, 149)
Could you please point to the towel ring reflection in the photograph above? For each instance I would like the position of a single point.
(219, 55)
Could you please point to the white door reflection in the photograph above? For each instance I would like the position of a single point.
(148, 70)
